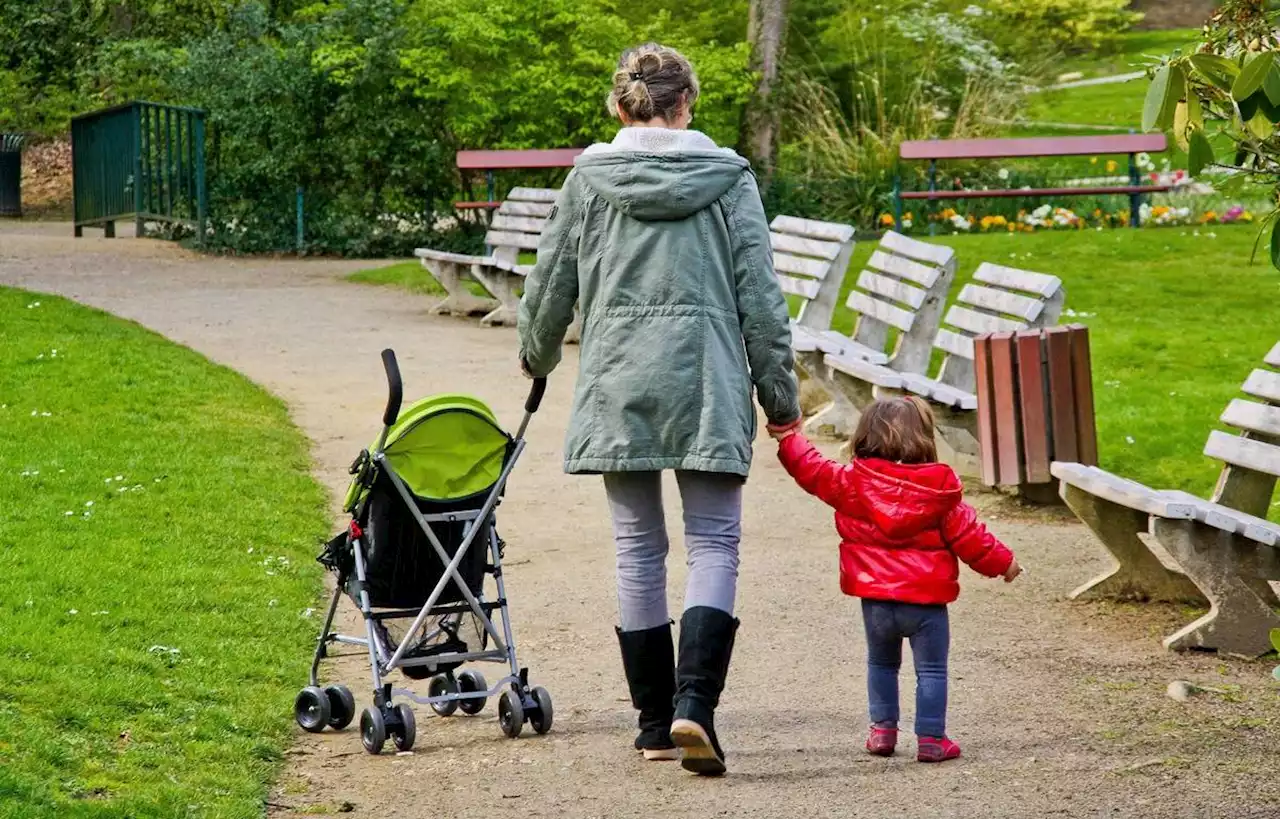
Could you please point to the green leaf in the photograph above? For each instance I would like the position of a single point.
(1162, 98)
(1249, 107)
(1275, 639)
(1218, 70)
(1252, 75)
(1271, 84)
(1180, 121)
(1260, 126)
(1195, 112)
(1275, 245)
(1199, 153)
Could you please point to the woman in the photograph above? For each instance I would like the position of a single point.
(661, 238)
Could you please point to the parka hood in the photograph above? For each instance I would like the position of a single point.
(660, 174)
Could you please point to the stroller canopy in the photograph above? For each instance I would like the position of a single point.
(445, 448)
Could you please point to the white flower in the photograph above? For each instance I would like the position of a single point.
(73, 612)
(1003, 173)
(307, 612)
(68, 513)
(33, 304)
(271, 604)
(1128, 439)
(163, 650)
(100, 613)
(88, 503)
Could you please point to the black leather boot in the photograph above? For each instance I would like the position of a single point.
(706, 645)
(649, 662)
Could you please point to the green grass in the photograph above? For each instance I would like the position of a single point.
(411, 276)
(156, 547)
(1116, 104)
(1177, 321)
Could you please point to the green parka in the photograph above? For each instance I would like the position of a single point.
(667, 253)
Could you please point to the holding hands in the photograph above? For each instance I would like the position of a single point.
(781, 432)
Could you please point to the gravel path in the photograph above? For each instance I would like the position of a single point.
(1060, 706)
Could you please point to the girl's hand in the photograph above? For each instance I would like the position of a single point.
(780, 433)
(1013, 571)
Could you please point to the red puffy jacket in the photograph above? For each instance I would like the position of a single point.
(902, 525)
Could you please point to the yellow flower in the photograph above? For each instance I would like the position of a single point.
(1093, 160)
(1111, 166)
(947, 213)
(886, 219)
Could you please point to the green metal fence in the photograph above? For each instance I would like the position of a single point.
(142, 161)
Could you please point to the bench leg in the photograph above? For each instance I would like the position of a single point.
(574, 334)
(840, 418)
(502, 285)
(957, 437)
(1140, 575)
(1228, 569)
(458, 301)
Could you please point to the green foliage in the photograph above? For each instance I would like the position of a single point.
(1229, 92)
(1072, 25)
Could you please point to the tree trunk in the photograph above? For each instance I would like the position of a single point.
(767, 32)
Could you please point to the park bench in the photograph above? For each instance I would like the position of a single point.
(901, 291)
(1225, 549)
(810, 259)
(516, 227)
(508, 160)
(999, 300)
(934, 150)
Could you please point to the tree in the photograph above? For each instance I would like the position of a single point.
(767, 32)
(1227, 91)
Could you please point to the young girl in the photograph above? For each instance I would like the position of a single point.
(903, 523)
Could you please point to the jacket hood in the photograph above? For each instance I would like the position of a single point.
(658, 174)
(906, 499)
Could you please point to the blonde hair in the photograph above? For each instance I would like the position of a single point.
(896, 429)
(652, 81)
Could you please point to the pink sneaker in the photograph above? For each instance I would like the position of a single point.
(881, 741)
(936, 749)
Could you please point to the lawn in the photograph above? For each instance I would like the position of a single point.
(156, 547)
(1178, 318)
(1115, 104)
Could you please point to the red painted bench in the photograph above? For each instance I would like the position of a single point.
(504, 160)
(934, 150)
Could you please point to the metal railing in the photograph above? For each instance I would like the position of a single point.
(140, 160)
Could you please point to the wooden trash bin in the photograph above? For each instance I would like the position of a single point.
(1035, 406)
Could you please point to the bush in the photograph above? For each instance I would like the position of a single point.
(1070, 25)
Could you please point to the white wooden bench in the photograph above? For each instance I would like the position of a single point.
(901, 291)
(1000, 299)
(516, 227)
(810, 259)
(1225, 549)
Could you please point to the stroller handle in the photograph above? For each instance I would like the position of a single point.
(536, 392)
(395, 387)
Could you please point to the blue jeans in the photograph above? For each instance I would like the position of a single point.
(887, 622)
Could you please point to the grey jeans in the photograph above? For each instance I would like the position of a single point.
(712, 529)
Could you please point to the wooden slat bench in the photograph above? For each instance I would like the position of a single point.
(1224, 547)
(509, 160)
(810, 259)
(902, 290)
(516, 227)
(934, 150)
(999, 300)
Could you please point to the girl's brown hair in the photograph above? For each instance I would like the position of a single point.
(652, 81)
(896, 429)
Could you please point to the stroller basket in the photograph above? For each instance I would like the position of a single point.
(415, 559)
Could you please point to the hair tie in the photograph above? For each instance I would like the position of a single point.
(636, 75)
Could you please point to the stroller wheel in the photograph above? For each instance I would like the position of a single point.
(441, 685)
(342, 706)
(311, 709)
(373, 731)
(408, 729)
(510, 714)
(542, 717)
(470, 682)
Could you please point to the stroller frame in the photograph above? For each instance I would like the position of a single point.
(519, 702)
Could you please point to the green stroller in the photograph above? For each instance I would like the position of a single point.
(421, 542)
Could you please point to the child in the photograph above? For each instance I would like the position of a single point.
(903, 523)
